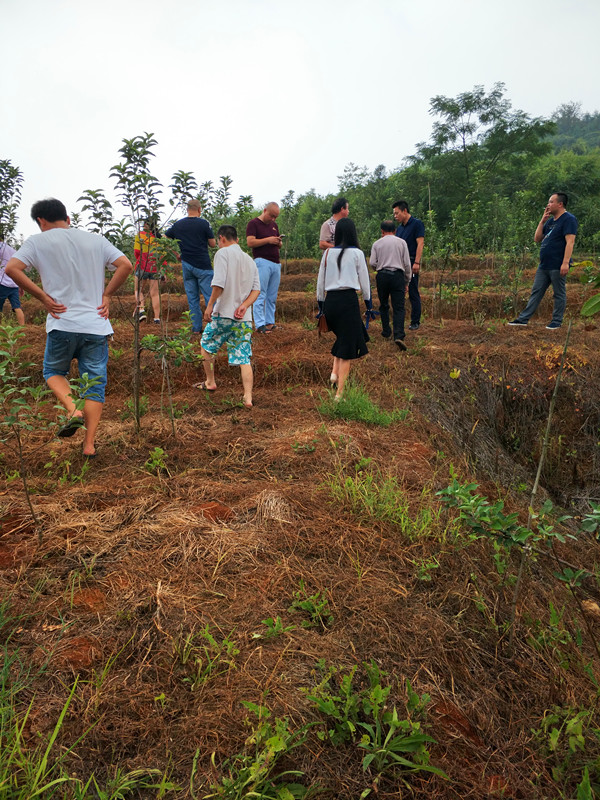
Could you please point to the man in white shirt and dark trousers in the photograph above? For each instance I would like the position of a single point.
(235, 287)
(71, 265)
(391, 260)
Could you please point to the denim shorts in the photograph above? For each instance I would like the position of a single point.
(11, 294)
(91, 352)
(237, 335)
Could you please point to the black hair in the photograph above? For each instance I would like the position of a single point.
(562, 198)
(387, 226)
(50, 209)
(339, 205)
(345, 237)
(151, 224)
(227, 232)
(402, 205)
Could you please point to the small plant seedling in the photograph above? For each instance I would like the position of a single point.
(254, 773)
(204, 656)
(309, 447)
(425, 567)
(315, 606)
(275, 627)
(156, 462)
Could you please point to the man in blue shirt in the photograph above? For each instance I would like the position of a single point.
(412, 231)
(195, 236)
(556, 231)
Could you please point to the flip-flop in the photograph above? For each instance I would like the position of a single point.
(71, 427)
(202, 385)
(90, 455)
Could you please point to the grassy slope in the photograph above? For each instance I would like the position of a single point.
(133, 565)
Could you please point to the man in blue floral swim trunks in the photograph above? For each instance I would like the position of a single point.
(235, 287)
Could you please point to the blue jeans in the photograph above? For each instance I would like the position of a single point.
(391, 284)
(270, 278)
(543, 279)
(91, 352)
(195, 282)
(415, 300)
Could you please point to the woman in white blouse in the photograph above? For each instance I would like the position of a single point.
(343, 272)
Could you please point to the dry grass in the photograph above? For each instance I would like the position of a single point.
(131, 562)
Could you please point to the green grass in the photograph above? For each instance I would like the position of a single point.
(355, 404)
(371, 494)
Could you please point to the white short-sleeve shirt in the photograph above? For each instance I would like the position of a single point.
(71, 264)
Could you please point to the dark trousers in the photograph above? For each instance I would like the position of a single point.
(391, 285)
(415, 300)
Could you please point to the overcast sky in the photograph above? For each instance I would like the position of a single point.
(278, 95)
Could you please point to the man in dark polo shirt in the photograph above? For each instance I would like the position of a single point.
(195, 236)
(556, 231)
(262, 236)
(412, 231)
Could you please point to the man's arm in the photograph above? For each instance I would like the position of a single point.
(373, 257)
(217, 291)
(324, 243)
(124, 268)
(15, 269)
(241, 309)
(570, 243)
(212, 242)
(252, 241)
(539, 231)
(417, 264)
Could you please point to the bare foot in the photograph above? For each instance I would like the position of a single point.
(247, 402)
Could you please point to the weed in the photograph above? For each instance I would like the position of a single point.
(372, 495)
(425, 567)
(180, 409)
(156, 463)
(361, 716)
(204, 657)
(315, 605)
(116, 352)
(128, 411)
(356, 404)
(253, 772)
(309, 447)
(61, 472)
(569, 737)
(275, 627)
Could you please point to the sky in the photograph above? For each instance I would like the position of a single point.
(279, 96)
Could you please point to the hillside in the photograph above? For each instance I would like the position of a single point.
(144, 605)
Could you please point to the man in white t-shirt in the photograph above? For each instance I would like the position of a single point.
(235, 287)
(71, 264)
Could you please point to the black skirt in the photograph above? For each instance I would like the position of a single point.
(343, 317)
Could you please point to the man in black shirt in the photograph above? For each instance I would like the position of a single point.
(195, 236)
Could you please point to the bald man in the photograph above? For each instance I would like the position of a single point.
(262, 236)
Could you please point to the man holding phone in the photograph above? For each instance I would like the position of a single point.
(556, 231)
(262, 236)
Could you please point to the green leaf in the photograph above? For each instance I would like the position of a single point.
(591, 306)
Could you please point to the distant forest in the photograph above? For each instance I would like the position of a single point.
(480, 184)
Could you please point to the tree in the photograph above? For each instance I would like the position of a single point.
(137, 189)
(11, 182)
(183, 186)
(479, 145)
